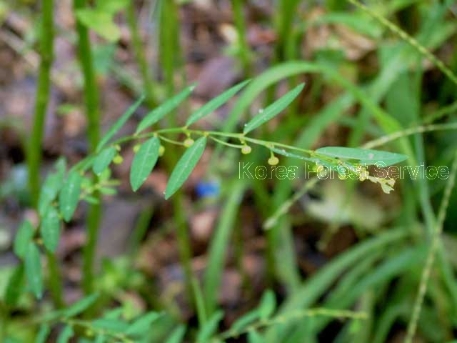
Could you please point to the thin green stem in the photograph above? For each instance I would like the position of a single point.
(184, 243)
(169, 52)
(35, 143)
(219, 245)
(286, 11)
(42, 99)
(295, 315)
(244, 50)
(91, 98)
(55, 281)
(140, 55)
(93, 224)
(408, 132)
(3, 322)
(426, 272)
(91, 93)
(408, 39)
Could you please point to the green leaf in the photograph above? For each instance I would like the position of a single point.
(113, 325)
(215, 103)
(51, 186)
(100, 338)
(155, 115)
(15, 286)
(103, 160)
(43, 333)
(101, 22)
(254, 337)
(291, 154)
(209, 328)
(177, 335)
(185, 166)
(273, 109)
(114, 313)
(33, 270)
(112, 6)
(119, 123)
(79, 306)
(107, 191)
(50, 229)
(267, 305)
(69, 194)
(245, 320)
(65, 334)
(364, 156)
(23, 238)
(143, 162)
(142, 324)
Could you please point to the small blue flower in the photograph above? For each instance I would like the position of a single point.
(206, 189)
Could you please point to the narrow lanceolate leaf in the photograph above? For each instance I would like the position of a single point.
(119, 123)
(215, 103)
(50, 229)
(69, 195)
(65, 334)
(209, 328)
(363, 156)
(254, 337)
(33, 270)
(245, 320)
(15, 286)
(184, 167)
(43, 333)
(267, 305)
(51, 187)
(143, 162)
(113, 325)
(101, 338)
(23, 238)
(286, 153)
(272, 110)
(155, 115)
(103, 160)
(80, 306)
(177, 335)
(142, 324)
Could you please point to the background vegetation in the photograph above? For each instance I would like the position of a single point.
(94, 94)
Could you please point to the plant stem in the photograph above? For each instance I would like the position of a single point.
(426, 272)
(242, 42)
(219, 245)
(91, 98)
(184, 243)
(55, 281)
(287, 10)
(91, 95)
(36, 141)
(42, 100)
(169, 52)
(140, 55)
